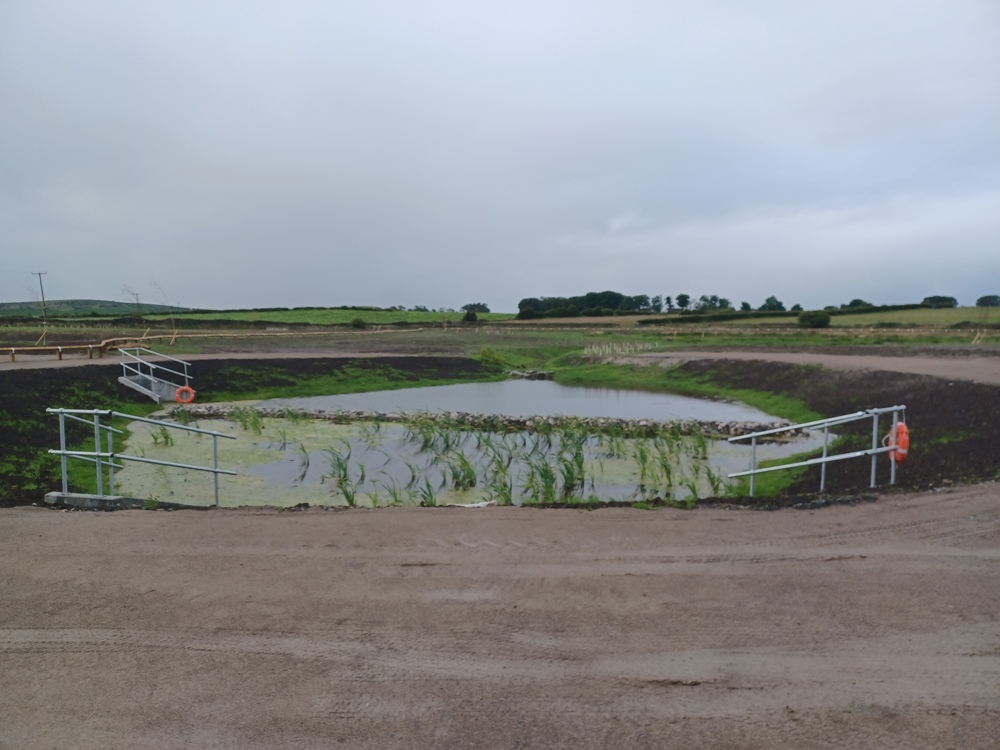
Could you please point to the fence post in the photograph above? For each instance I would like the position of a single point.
(62, 447)
(822, 468)
(753, 462)
(892, 462)
(111, 463)
(97, 454)
(874, 445)
(215, 465)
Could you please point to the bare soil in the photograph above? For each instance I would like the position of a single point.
(873, 626)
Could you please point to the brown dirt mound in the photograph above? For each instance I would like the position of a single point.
(953, 427)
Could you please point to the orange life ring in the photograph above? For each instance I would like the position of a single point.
(185, 394)
(899, 441)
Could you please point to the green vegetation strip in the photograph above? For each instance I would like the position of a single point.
(257, 382)
(674, 380)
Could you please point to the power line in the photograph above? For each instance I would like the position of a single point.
(45, 313)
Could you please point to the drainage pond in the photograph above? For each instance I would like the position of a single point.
(422, 460)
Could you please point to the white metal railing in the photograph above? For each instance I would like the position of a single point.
(133, 365)
(107, 458)
(826, 424)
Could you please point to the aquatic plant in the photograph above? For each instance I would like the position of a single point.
(426, 495)
(304, 462)
(161, 436)
(248, 418)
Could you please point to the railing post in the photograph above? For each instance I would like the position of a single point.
(215, 466)
(874, 445)
(62, 447)
(892, 456)
(822, 468)
(111, 463)
(753, 462)
(97, 456)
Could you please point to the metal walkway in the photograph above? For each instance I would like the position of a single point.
(158, 381)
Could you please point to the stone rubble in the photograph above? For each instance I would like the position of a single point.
(501, 423)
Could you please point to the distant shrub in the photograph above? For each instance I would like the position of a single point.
(563, 312)
(470, 317)
(358, 323)
(814, 319)
(939, 300)
(856, 303)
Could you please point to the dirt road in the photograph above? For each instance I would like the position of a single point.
(980, 369)
(870, 626)
(977, 369)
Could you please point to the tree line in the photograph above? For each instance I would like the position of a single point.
(597, 304)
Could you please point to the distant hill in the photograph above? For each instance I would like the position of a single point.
(76, 307)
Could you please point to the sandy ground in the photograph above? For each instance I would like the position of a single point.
(981, 369)
(977, 369)
(869, 626)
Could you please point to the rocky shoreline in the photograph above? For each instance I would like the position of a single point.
(500, 423)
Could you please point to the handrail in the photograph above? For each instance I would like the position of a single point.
(108, 457)
(131, 351)
(826, 424)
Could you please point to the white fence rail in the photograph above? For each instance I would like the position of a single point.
(108, 457)
(826, 424)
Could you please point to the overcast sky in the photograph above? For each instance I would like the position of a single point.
(440, 152)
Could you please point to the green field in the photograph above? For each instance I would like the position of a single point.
(77, 307)
(920, 318)
(923, 317)
(330, 316)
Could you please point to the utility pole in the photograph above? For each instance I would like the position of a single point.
(45, 314)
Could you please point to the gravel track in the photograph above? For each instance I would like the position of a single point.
(866, 626)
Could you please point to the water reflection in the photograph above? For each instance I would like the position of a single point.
(524, 398)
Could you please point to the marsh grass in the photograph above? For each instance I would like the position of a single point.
(248, 418)
(161, 436)
(554, 463)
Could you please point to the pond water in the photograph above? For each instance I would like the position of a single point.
(525, 398)
(320, 462)
(290, 461)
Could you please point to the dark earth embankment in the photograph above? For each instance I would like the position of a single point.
(27, 472)
(954, 437)
(954, 433)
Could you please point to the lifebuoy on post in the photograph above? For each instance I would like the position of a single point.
(899, 441)
(185, 394)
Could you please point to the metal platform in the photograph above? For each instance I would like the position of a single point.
(143, 370)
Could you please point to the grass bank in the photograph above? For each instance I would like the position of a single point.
(675, 380)
(233, 380)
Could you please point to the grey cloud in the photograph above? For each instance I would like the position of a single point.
(398, 153)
